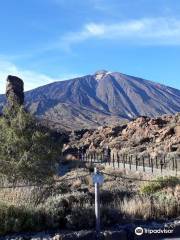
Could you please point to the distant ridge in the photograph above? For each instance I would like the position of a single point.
(99, 99)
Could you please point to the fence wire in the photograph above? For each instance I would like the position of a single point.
(84, 176)
(45, 184)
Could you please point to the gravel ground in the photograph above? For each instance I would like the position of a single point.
(119, 232)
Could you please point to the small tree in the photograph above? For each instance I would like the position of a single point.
(27, 151)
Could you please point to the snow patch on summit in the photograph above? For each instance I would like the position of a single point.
(101, 74)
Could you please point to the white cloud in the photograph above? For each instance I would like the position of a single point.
(31, 79)
(156, 31)
(95, 29)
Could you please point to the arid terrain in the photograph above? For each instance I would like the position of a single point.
(69, 205)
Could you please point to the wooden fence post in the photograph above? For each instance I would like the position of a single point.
(113, 161)
(118, 159)
(101, 157)
(173, 161)
(136, 163)
(143, 164)
(152, 165)
(156, 162)
(149, 160)
(130, 162)
(164, 159)
(94, 156)
(161, 163)
(176, 164)
(126, 158)
(123, 161)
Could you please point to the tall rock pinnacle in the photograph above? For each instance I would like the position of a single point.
(14, 90)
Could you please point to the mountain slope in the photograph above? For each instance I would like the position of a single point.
(101, 98)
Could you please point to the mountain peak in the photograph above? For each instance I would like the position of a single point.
(100, 74)
(115, 97)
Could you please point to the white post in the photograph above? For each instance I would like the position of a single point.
(97, 205)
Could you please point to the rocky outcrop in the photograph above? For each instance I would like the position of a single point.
(143, 135)
(14, 91)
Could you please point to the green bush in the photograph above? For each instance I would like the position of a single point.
(159, 184)
(28, 152)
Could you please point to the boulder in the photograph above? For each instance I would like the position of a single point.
(177, 130)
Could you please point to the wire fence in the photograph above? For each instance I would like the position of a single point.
(67, 179)
(13, 186)
(158, 164)
(117, 161)
(44, 184)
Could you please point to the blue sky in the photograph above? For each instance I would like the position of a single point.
(48, 40)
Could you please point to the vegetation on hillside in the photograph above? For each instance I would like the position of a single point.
(70, 204)
(160, 184)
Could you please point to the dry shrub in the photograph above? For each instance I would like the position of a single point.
(87, 181)
(76, 184)
(136, 208)
(158, 207)
(17, 196)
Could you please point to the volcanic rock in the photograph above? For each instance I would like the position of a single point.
(14, 91)
(143, 135)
